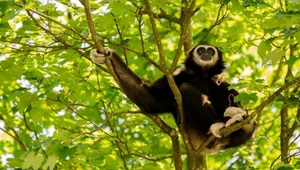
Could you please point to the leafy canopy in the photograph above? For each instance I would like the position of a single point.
(58, 110)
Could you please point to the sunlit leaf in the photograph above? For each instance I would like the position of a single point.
(26, 99)
(263, 48)
(37, 161)
(58, 110)
(282, 166)
(29, 161)
(51, 161)
(274, 56)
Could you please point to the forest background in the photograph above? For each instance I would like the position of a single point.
(58, 110)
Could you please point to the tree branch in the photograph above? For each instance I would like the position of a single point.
(121, 38)
(56, 22)
(217, 22)
(93, 32)
(161, 15)
(16, 137)
(59, 39)
(91, 25)
(173, 86)
(226, 131)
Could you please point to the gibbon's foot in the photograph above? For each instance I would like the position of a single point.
(231, 111)
(205, 99)
(100, 58)
(234, 119)
(236, 114)
(215, 129)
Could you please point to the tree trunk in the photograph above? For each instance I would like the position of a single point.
(196, 161)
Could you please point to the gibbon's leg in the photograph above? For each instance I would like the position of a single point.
(135, 89)
(235, 113)
(226, 97)
(198, 113)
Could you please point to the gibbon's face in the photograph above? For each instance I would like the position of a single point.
(205, 55)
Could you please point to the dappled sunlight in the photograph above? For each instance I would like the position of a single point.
(61, 110)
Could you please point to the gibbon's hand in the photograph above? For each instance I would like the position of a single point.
(100, 58)
(205, 99)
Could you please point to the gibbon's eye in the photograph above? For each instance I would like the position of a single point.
(211, 51)
(201, 50)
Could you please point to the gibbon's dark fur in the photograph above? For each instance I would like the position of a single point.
(194, 81)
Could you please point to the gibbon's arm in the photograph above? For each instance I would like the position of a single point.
(145, 97)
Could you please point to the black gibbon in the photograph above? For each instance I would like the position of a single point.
(208, 105)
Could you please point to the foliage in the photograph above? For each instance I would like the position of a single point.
(58, 110)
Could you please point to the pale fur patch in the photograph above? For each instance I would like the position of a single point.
(215, 129)
(100, 58)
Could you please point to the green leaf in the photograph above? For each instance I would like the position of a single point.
(282, 166)
(37, 161)
(51, 161)
(246, 98)
(26, 99)
(4, 4)
(253, 97)
(297, 165)
(297, 35)
(29, 160)
(225, 2)
(274, 56)
(36, 116)
(263, 48)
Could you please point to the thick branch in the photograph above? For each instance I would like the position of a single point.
(174, 137)
(173, 86)
(157, 38)
(186, 15)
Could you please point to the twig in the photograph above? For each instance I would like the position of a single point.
(161, 15)
(56, 22)
(144, 53)
(216, 23)
(121, 38)
(57, 38)
(16, 137)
